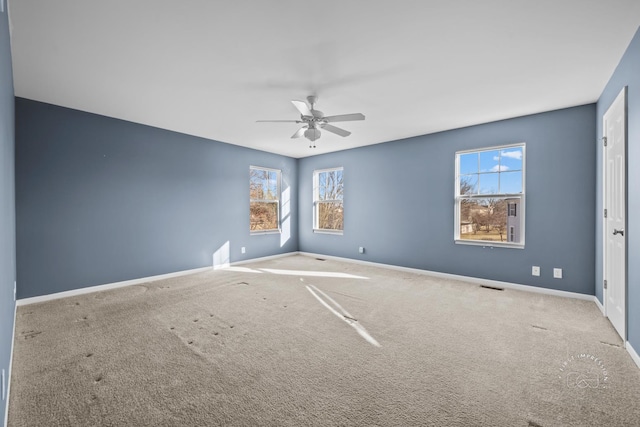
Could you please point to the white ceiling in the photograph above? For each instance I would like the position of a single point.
(211, 68)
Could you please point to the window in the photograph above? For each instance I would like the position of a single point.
(328, 210)
(264, 200)
(490, 196)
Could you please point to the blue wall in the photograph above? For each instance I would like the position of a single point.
(627, 74)
(7, 203)
(101, 200)
(399, 202)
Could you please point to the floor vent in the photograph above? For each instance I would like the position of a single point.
(320, 259)
(492, 288)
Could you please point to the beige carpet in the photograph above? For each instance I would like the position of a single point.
(302, 342)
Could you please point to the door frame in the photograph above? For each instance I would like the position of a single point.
(623, 93)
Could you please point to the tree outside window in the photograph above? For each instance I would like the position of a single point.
(264, 199)
(328, 201)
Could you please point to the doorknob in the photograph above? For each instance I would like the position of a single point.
(620, 232)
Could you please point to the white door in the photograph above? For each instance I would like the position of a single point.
(615, 259)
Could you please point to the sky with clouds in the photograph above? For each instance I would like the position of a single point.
(494, 171)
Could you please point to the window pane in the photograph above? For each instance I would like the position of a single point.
(256, 190)
(484, 220)
(323, 179)
(271, 185)
(511, 159)
(263, 184)
(468, 208)
(263, 216)
(468, 163)
(330, 185)
(490, 161)
(469, 184)
(511, 182)
(488, 183)
(330, 216)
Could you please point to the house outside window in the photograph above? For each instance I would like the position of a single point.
(264, 200)
(490, 196)
(328, 201)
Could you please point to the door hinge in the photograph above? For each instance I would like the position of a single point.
(605, 284)
(604, 140)
(605, 213)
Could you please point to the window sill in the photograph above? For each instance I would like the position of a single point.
(264, 232)
(489, 245)
(337, 232)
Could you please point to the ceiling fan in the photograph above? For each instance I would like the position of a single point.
(315, 120)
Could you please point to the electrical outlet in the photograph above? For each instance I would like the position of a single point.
(535, 270)
(361, 249)
(557, 273)
(242, 250)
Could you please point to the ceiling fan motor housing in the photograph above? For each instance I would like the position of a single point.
(317, 114)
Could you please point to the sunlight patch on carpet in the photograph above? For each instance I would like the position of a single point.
(343, 314)
(313, 273)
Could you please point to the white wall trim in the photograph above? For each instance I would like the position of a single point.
(90, 289)
(475, 280)
(633, 353)
(105, 287)
(600, 306)
(13, 338)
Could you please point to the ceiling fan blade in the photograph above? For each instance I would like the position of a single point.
(344, 117)
(302, 107)
(336, 130)
(278, 121)
(299, 133)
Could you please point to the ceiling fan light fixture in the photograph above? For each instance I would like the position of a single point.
(312, 134)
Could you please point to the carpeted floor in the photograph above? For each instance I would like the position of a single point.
(301, 342)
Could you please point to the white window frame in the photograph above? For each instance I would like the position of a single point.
(276, 201)
(521, 196)
(317, 202)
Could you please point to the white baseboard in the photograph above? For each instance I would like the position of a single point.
(633, 353)
(90, 289)
(600, 306)
(13, 338)
(97, 288)
(469, 279)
